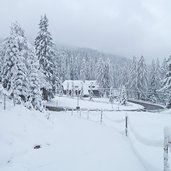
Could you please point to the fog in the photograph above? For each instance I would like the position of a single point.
(122, 27)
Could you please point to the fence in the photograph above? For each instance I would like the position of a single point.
(4, 97)
(128, 131)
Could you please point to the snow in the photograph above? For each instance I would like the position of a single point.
(147, 102)
(79, 141)
(150, 129)
(67, 143)
(96, 104)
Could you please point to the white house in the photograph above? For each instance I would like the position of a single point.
(77, 85)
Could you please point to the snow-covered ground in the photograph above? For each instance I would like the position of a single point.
(68, 143)
(77, 141)
(145, 132)
(97, 103)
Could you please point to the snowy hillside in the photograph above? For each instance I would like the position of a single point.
(69, 141)
(66, 144)
(82, 52)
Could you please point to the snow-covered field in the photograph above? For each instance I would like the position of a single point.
(97, 103)
(145, 132)
(77, 141)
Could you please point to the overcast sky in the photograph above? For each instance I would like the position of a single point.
(122, 27)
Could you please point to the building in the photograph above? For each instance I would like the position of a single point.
(78, 85)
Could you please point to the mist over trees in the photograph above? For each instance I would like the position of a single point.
(32, 73)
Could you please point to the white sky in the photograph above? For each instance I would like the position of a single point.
(122, 27)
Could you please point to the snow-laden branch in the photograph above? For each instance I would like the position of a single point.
(4, 91)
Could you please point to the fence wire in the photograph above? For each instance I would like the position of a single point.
(143, 140)
(115, 121)
(104, 118)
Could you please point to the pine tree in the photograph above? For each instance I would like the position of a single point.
(45, 53)
(111, 97)
(142, 81)
(33, 81)
(166, 86)
(60, 89)
(158, 74)
(14, 68)
(116, 74)
(83, 70)
(103, 77)
(81, 91)
(99, 74)
(153, 83)
(67, 91)
(164, 68)
(91, 92)
(20, 70)
(72, 90)
(132, 81)
(137, 79)
(123, 96)
(2, 55)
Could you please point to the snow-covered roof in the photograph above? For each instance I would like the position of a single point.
(79, 83)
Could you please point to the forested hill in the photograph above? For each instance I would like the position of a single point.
(83, 52)
(84, 63)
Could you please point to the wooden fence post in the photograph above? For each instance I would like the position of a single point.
(126, 125)
(87, 114)
(4, 101)
(80, 113)
(14, 98)
(101, 116)
(166, 148)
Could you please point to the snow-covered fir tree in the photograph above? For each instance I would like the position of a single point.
(153, 83)
(137, 83)
(45, 53)
(91, 92)
(132, 78)
(158, 74)
(67, 91)
(20, 70)
(164, 68)
(81, 91)
(116, 76)
(2, 55)
(83, 70)
(72, 90)
(166, 85)
(33, 80)
(132, 81)
(99, 73)
(111, 96)
(14, 67)
(103, 77)
(142, 81)
(123, 96)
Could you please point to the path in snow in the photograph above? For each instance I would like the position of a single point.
(147, 105)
